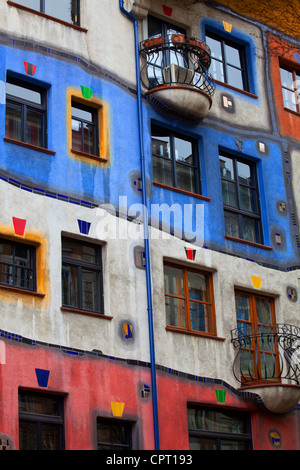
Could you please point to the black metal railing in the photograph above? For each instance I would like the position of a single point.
(176, 59)
(266, 354)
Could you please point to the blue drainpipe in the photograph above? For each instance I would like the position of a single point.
(146, 232)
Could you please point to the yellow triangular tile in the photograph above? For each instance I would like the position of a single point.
(256, 281)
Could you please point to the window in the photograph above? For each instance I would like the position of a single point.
(84, 129)
(175, 160)
(113, 435)
(290, 83)
(65, 10)
(81, 276)
(256, 322)
(41, 421)
(215, 429)
(189, 299)
(25, 112)
(240, 199)
(165, 56)
(228, 61)
(17, 265)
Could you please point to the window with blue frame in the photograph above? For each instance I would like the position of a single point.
(189, 299)
(65, 10)
(228, 61)
(240, 198)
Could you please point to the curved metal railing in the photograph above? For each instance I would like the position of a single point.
(176, 59)
(266, 354)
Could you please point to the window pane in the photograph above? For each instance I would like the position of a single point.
(34, 127)
(235, 77)
(89, 138)
(65, 10)
(217, 421)
(198, 286)
(287, 79)
(234, 445)
(34, 4)
(215, 47)
(232, 56)
(217, 70)
(289, 99)
(244, 174)
(114, 436)
(229, 194)
(39, 403)
(200, 317)
(201, 443)
(173, 280)
(247, 199)
(161, 145)
(27, 435)
(226, 168)
(51, 437)
(264, 311)
(6, 253)
(175, 312)
(24, 93)
(79, 251)
(90, 290)
(76, 135)
(13, 121)
(231, 224)
(249, 229)
(185, 178)
(162, 171)
(82, 114)
(183, 151)
(242, 307)
(69, 286)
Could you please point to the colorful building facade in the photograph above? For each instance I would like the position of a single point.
(149, 257)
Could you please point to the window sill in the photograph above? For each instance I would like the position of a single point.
(295, 113)
(247, 242)
(32, 147)
(44, 15)
(21, 291)
(244, 92)
(182, 191)
(176, 329)
(85, 312)
(89, 155)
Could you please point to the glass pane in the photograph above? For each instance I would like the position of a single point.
(231, 224)
(247, 363)
(232, 56)
(6, 254)
(242, 307)
(217, 421)
(90, 290)
(248, 199)
(234, 445)
(51, 437)
(268, 368)
(200, 315)
(226, 168)
(76, 135)
(235, 77)
(244, 174)
(287, 79)
(264, 311)
(13, 121)
(173, 280)
(201, 443)
(39, 404)
(27, 435)
(198, 286)
(79, 251)
(82, 114)
(162, 171)
(215, 47)
(183, 150)
(69, 286)
(34, 4)
(217, 71)
(6, 274)
(89, 139)
(249, 229)
(289, 99)
(175, 312)
(185, 178)
(160, 145)
(65, 10)
(229, 194)
(112, 436)
(24, 93)
(34, 127)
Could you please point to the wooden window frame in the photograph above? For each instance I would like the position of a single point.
(196, 160)
(237, 210)
(78, 265)
(186, 299)
(253, 321)
(243, 59)
(295, 72)
(32, 267)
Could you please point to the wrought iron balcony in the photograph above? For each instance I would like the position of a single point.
(175, 74)
(269, 355)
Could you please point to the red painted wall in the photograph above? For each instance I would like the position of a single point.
(91, 383)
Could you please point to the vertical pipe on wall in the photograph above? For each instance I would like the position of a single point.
(146, 230)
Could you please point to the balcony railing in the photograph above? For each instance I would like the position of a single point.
(176, 59)
(267, 354)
